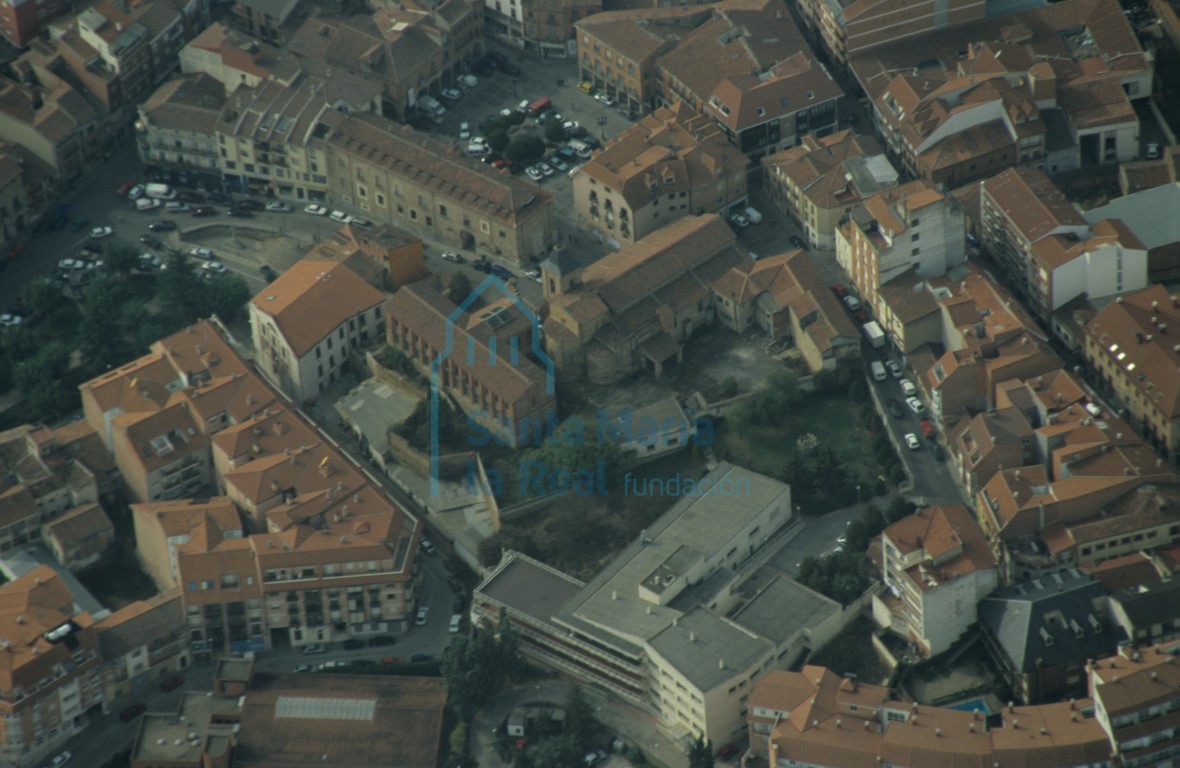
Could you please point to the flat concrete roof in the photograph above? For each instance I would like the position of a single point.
(237, 670)
(182, 737)
(530, 588)
(374, 406)
(783, 607)
(709, 649)
(610, 608)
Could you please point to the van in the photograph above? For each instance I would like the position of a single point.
(580, 148)
(878, 371)
(753, 215)
(160, 192)
(540, 105)
(431, 105)
(456, 623)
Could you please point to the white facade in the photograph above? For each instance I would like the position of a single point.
(933, 242)
(1103, 271)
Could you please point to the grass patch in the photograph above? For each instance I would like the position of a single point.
(850, 653)
(118, 581)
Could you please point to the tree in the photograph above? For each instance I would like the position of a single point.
(498, 139)
(458, 741)
(846, 587)
(554, 132)
(41, 296)
(525, 149)
(700, 753)
(558, 752)
(43, 380)
(182, 289)
(579, 722)
(226, 297)
(460, 287)
(101, 329)
(121, 259)
(476, 667)
(728, 387)
(898, 508)
(578, 451)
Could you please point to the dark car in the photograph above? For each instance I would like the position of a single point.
(839, 290)
(378, 641)
(204, 210)
(240, 213)
(797, 241)
(189, 196)
(132, 712)
(163, 225)
(219, 197)
(458, 604)
(895, 409)
(728, 751)
(421, 658)
(354, 644)
(861, 316)
(939, 453)
(510, 69)
(250, 205)
(150, 242)
(496, 58)
(172, 683)
(268, 273)
(454, 584)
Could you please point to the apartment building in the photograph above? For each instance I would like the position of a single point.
(823, 178)
(308, 323)
(1019, 89)
(51, 121)
(851, 27)
(26, 186)
(177, 128)
(235, 58)
(1049, 250)
(636, 308)
(410, 48)
(368, 721)
(1135, 701)
(119, 51)
(163, 526)
(938, 566)
(1040, 634)
(265, 19)
(635, 630)
(22, 20)
(141, 643)
(50, 674)
(815, 717)
(422, 185)
(672, 163)
(986, 443)
(1134, 360)
(1148, 612)
(539, 26)
(913, 230)
(504, 391)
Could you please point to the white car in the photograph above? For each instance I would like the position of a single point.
(907, 387)
(607, 101)
(340, 216)
(214, 268)
(534, 173)
(464, 131)
(277, 207)
(147, 204)
(852, 303)
(467, 81)
(313, 649)
(505, 112)
(571, 125)
(546, 169)
(894, 369)
(420, 619)
(451, 94)
(740, 220)
(175, 207)
(204, 254)
(478, 150)
(534, 275)
(69, 265)
(100, 232)
(452, 257)
(61, 759)
(911, 441)
(523, 106)
(315, 210)
(1153, 151)
(8, 321)
(915, 405)
(136, 192)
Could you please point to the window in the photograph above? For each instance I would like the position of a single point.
(915, 237)
(442, 211)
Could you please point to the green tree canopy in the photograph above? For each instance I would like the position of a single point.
(700, 753)
(525, 149)
(226, 297)
(554, 133)
(475, 667)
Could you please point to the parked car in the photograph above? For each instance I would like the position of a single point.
(124, 188)
(130, 713)
(151, 242)
(214, 268)
(420, 618)
(278, 207)
(586, 86)
(70, 265)
(240, 213)
(99, 233)
(916, 405)
(176, 207)
(458, 603)
(202, 253)
(451, 94)
(894, 368)
(911, 441)
(315, 210)
(740, 220)
(606, 101)
(501, 272)
(545, 169)
(852, 303)
(895, 409)
(927, 429)
(304, 668)
(202, 211)
(354, 644)
(456, 623)
(534, 173)
(533, 274)
(728, 751)
(454, 258)
(797, 241)
(268, 273)
(558, 164)
(1153, 151)
(467, 81)
(939, 453)
(314, 648)
(421, 658)
(172, 683)
(591, 759)
(907, 387)
(839, 290)
(861, 316)
(136, 192)
(146, 204)
(510, 69)
(249, 205)
(163, 225)
(464, 131)
(360, 223)
(377, 641)
(61, 758)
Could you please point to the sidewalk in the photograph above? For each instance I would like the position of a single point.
(633, 724)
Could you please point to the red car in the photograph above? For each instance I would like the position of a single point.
(125, 187)
(927, 429)
(839, 290)
(502, 163)
(861, 316)
(728, 751)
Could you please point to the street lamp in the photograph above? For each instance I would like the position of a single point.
(858, 493)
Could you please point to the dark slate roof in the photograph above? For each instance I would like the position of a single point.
(1151, 603)
(1056, 620)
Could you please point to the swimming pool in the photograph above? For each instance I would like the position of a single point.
(973, 705)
